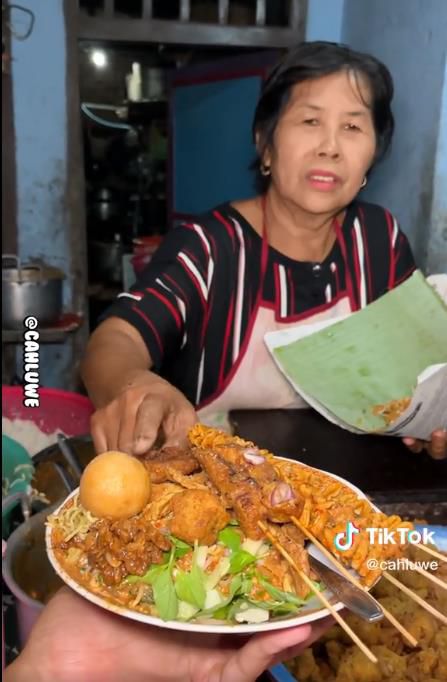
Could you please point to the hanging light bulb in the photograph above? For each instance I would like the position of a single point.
(98, 58)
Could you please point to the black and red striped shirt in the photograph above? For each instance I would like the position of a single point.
(195, 302)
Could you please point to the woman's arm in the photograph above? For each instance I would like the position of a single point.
(115, 354)
(135, 406)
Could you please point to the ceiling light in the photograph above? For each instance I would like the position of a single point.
(98, 58)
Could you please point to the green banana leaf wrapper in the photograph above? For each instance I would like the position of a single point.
(353, 369)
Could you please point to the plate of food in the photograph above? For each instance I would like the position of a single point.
(211, 537)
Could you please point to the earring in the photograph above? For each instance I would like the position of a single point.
(365, 182)
(265, 169)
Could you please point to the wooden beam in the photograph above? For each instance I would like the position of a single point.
(188, 33)
(224, 6)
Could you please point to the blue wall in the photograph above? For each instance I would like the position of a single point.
(437, 245)
(325, 20)
(39, 96)
(410, 36)
(40, 122)
(213, 147)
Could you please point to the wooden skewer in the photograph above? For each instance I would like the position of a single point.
(388, 615)
(432, 551)
(368, 653)
(413, 595)
(427, 574)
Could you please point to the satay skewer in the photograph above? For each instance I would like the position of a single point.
(368, 653)
(413, 595)
(425, 605)
(433, 578)
(432, 552)
(388, 615)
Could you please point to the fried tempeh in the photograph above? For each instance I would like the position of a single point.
(161, 462)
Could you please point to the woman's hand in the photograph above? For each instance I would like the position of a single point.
(436, 447)
(147, 407)
(75, 641)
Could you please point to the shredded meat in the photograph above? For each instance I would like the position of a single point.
(124, 547)
(161, 463)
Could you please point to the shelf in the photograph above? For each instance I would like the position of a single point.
(57, 333)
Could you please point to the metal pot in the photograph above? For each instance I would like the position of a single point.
(106, 262)
(31, 289)
(27, 571)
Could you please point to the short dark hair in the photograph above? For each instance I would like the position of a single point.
(314, 60)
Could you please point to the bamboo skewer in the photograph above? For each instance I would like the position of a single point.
(413, 595)
(388, 615)
(427, 574)
(368, 653)
(432, 551)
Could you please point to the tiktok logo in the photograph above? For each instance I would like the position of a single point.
(344, 541)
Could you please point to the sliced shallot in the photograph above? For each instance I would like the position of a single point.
(252, 455)
(281, 493)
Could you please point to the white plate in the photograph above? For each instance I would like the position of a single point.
(311, 611)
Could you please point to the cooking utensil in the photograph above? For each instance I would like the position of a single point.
(70, 457)
(27, 571)
(32, 288)
(357, 601)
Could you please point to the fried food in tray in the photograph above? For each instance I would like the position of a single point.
(335, 659)
(194, 550)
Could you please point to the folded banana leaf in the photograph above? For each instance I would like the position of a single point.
(370, 358)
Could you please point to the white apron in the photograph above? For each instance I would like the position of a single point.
(257, 382)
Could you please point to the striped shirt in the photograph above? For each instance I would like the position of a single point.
(195, 303)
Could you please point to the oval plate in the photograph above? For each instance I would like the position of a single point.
(311, 611)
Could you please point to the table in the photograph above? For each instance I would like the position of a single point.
(380, 465)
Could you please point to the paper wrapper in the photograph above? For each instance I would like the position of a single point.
(394, 349)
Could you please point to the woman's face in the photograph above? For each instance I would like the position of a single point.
(324, 143)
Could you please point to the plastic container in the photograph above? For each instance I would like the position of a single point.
(17, 469)
(58, 410)
(143, 251)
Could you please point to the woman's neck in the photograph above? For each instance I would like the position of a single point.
(296, 233)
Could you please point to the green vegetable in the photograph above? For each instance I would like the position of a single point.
(235, 587)
(165, 597)
(221, 613)
(280, 595)
(213, 578)
(275, 607)
(240, 560)
(190, 587)
(181, 548)
(149, 576)
(186, 611)
(230, 538)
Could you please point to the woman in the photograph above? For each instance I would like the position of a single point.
(189, 336)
